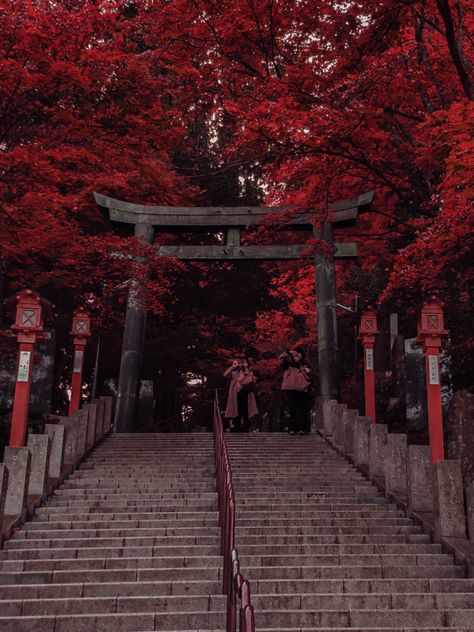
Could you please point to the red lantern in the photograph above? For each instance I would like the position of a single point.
(368, 330)
(81, 330)
(29, 315)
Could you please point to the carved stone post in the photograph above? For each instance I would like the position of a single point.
(132, 347)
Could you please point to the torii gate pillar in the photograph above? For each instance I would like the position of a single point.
(327, 318)
(131, 361)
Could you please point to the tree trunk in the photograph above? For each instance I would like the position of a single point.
(445, 12)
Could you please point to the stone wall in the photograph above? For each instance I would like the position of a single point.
(459, 434)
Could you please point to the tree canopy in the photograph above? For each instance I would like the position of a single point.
(239, 101)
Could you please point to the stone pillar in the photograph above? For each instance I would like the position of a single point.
(318, 411)
(70, 448)
(420, 479)
(470, 510)
(3, 494)
(338, 428)
(81, 418)
(56, 433)
(459, 435)
(17, 461)
(107, 415)
(377, 443)
(361, 441)
(348, 421)
(132, 347)
(329, 411)
(100, 418)
(396, 465)
(448, 494)
(39, 446)
(326, 318)
(91, 425)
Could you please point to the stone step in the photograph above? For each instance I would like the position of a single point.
(255, 573)
(194, 621)
(136, 510)
(159, 509)
(348, 493)
(97, 563)
(360, 601)
(149, 478)
(113, 549)
(164, 540)
(364, 619)
(112, 604)
(340, 539)
(156, 486)
(296, 521)
(92, 513)
(362, 586)
(147, 512)
(346, 560)
(372, 629)
(121, 503)
(145, 574)
(189, 525)
(80, 496)
(328, 503)
(193, 544)
(118, 532)
(319, 514)
(308, 529)
(110, 589)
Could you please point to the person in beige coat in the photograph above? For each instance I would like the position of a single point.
(241, 402)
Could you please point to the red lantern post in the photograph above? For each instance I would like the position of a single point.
(367, 332)
(430, 333)
(29, 328)
(81, 330)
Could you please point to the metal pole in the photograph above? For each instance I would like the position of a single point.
(326, 317)
(21, 401)
(76, 381)
(435, 412)
(132, 347)
(369, 380)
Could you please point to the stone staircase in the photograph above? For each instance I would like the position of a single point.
(324, 550)
(130, 541)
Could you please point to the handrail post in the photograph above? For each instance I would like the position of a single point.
(233, 583)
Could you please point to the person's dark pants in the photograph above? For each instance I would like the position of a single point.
(298, 410)
(241, 422)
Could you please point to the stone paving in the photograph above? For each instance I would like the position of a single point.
(130, 541)
(324, 550)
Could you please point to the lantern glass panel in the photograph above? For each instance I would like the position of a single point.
(433, 322)
(28, 317)
(81, 327)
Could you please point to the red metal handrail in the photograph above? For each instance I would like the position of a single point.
(234, 585)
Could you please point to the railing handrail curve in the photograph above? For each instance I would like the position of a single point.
(234, 585)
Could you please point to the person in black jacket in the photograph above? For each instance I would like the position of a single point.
(297, 379)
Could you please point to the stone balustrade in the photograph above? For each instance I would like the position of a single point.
(29, 474)
(432, 494)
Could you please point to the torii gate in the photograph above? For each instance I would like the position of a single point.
(146, 219)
